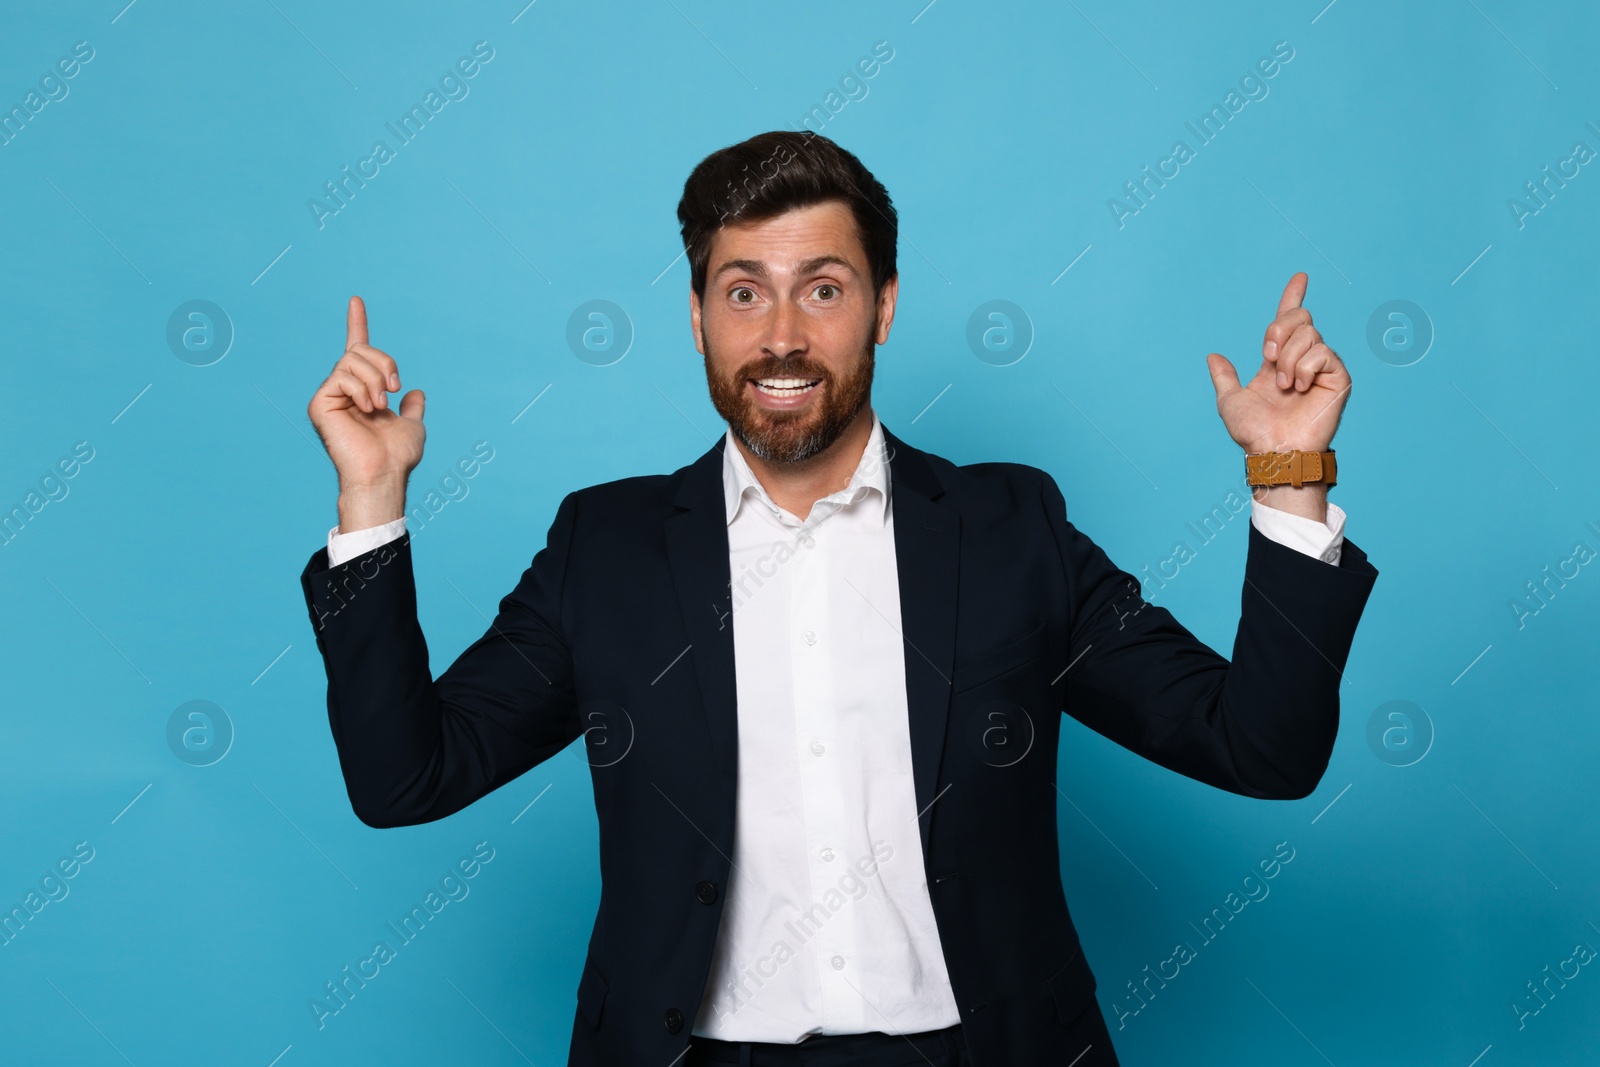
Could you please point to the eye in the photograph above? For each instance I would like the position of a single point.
(743, 289)
(832, 290)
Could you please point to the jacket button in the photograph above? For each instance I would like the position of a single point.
(673, 1020)
(707, 892)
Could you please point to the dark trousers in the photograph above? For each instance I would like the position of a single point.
(934, 1048)
(1089, 1046)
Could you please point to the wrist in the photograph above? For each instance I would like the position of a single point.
(1308, 501)
(365, 506)
(1288, 446)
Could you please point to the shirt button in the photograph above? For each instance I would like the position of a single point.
(827, 855)
(811, 637)
(816, 748)
(838, 963)
(808, 541)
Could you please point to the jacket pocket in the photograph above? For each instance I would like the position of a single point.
(989, 664)
(592, 989)
(1072, 988)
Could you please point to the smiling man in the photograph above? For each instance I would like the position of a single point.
(820, 673)
(791, 371)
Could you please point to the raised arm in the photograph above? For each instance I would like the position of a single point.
(1262, 724)
(413, 748)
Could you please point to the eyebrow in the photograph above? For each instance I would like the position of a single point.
(758, 269)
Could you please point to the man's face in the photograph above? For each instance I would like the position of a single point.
(788, 327)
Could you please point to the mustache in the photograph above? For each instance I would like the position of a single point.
(778, 368)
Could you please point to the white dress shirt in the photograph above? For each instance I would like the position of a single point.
(828, 927)
(827, 924)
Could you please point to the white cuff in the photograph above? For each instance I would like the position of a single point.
(1323, 540)
(347, 546)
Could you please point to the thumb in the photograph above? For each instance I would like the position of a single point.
(1223, 377)
(411, 405)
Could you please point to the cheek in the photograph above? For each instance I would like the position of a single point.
(734, 332)
(724, 349)
(844, 336)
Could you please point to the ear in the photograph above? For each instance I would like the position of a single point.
(694, 321)
(886, 301)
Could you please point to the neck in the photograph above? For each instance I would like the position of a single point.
(795, 487)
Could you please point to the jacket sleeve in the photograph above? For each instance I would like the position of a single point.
(413, 748)
(1262, 725)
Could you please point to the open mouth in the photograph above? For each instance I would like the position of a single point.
(783, 388)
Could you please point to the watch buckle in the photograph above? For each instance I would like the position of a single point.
(1304, 467)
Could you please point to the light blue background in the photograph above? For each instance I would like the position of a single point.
(179, 167)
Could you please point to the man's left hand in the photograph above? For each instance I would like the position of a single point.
(1295, 399)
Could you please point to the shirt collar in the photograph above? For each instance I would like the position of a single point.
(872, 472)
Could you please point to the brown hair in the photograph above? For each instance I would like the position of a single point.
(774, 172)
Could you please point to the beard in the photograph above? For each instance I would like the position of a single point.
(797, 435)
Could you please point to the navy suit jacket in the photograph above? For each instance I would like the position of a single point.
(619, 632)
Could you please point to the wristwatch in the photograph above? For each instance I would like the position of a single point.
(1294, 468)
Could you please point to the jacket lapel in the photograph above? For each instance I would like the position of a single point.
(697, 554)
(927, 536)
(927, 541)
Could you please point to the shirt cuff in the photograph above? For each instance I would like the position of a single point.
(347, 546)
(1323, 540)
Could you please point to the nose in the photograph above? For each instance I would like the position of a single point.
(785, 330)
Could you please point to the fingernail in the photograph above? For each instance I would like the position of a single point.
(1270, 350)
(383, 400)
(394, 381)
(1283, 380)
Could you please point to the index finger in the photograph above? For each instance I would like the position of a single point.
(355, 323)
(1293, 293)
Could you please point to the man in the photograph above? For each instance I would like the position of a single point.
(820, 673)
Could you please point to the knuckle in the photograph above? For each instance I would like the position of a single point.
(1286, 324)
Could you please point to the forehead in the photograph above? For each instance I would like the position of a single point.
(785, 240)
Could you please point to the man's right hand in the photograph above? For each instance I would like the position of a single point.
(373, 448)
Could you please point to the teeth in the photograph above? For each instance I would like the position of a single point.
(785, 386)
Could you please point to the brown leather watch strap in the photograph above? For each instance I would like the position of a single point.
(1294, 468)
